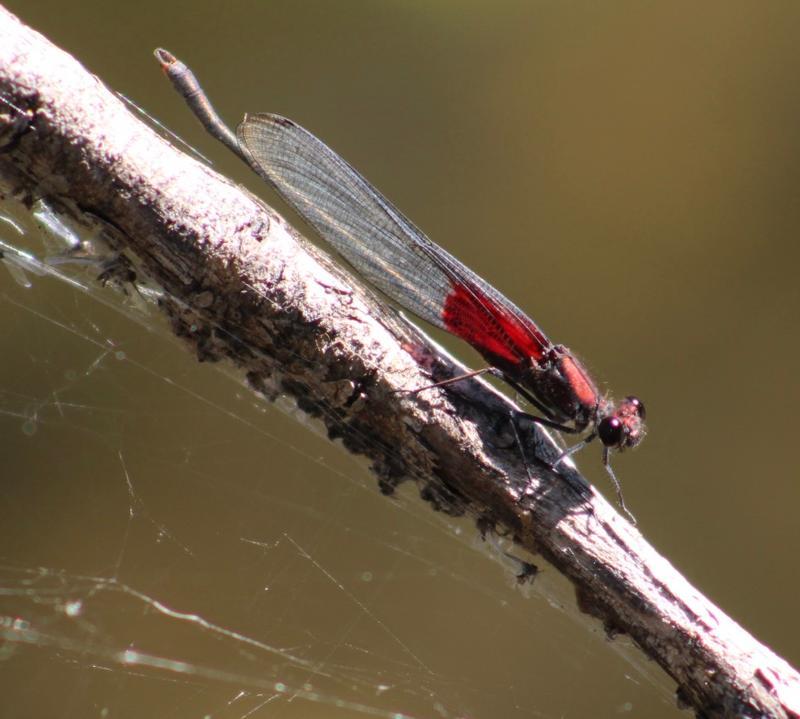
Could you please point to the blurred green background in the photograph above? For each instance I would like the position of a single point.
(625, 171)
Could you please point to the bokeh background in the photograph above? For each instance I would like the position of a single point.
(625, 171)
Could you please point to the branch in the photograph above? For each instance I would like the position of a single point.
(241, 286)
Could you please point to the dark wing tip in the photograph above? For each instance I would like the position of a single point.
(283, 121)
(267, 118)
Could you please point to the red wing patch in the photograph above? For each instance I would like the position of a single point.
(496, 332)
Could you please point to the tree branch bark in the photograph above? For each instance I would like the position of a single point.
(241, 286)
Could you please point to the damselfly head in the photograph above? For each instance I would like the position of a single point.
(623, 426)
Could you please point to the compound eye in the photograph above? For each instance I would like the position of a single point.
(638, 406)
(611, 431)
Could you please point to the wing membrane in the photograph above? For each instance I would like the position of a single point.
(382, 244)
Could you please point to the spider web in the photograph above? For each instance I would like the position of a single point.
(173, 546)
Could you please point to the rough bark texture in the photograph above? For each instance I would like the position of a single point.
(242, 287)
